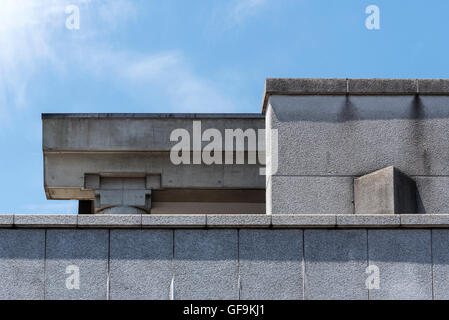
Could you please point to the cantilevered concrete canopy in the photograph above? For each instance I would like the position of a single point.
(124, 160)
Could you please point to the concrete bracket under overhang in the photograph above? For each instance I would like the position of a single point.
(122, 193)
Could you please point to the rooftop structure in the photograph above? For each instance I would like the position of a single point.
(338, 190)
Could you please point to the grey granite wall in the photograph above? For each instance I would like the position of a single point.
(230, 263)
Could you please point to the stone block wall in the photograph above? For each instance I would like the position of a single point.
(316, 257)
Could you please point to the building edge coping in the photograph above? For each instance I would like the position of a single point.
(162, 116)
(345, 86)
(224, 221)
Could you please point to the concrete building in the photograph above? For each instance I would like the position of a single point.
(339, 189)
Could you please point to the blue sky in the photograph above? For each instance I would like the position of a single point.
(186, 56)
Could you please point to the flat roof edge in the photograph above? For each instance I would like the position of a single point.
(344, 86)
(153, 115)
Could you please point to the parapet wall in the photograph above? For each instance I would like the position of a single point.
(224, 257)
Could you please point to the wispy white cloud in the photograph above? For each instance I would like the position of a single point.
(235, 13)
(166, 75)
(184, 89)
(242, 9)
(33, 39)
(24, 44)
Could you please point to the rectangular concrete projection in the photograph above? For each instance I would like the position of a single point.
(206, 265)
(271, 264)
(385, 191)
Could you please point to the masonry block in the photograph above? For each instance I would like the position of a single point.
(141, 264)
(434, 86)
(45, 220)
(239, 220)
(440, 256)
(335, 263)
(382, 86)
(109, 220)
(206, 265)
(403, 258)
(6, 220)
(22, 269)
(271, 264)
(173, 221)
(72, 252)
(310, 195)
(386, 191)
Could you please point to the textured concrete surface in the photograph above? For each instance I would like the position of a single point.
(6, 220)
(425, 220)
(335, 263)
(339, 137)
(355, 135)
(380, 221)
(173, 221)
(68, 170)
(295, 220)
(433, 194)
(46, 220)
(132, 144)
(311, 195)
(227, 264)
(302, 87)
(130, 133)
(85, 249)
(141, 264)
(206, 264)
(382, 86)
(275, 221)
(385, 191)
(22, 271)
(440, 257)
(241, 220)
(434, 86)
(103, 220)
(404, 261)
(271, 264)
(320, 86)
